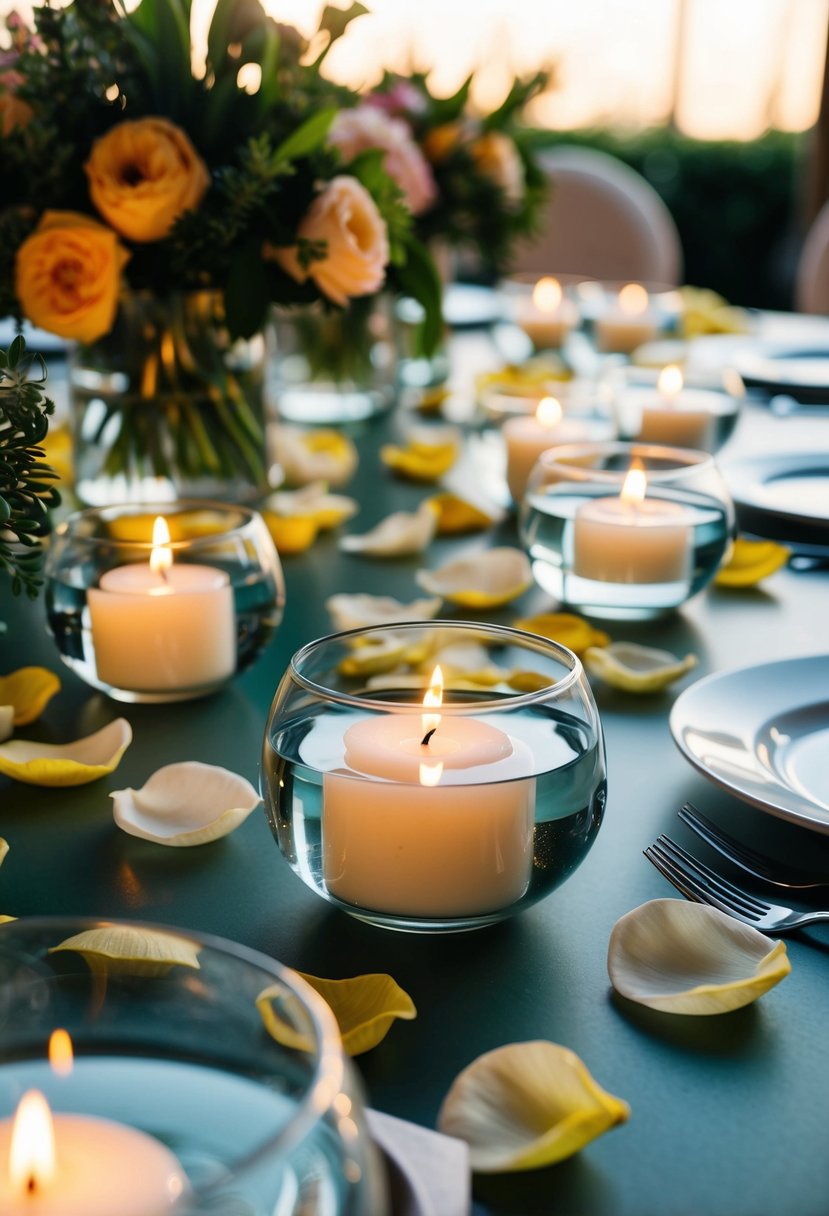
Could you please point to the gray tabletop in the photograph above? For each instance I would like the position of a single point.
(728, 1114)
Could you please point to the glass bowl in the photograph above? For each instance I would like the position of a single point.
(166, 621)
(544, 306)
(620, 316)
(668, 406)
(201, 1100)
(623, 544)
(438, 818)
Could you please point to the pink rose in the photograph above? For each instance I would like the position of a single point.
(497, 158)
(402, 98)
(366, 126)
(346, 218)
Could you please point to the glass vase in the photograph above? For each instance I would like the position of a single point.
(335, 365)
(167, 406)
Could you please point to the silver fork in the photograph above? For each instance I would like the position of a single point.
(771, 872)
(696, 881)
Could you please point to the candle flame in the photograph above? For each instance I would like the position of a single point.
(32, 1151)
(549, 412)
(430, 774)
(161, 558)
(433, 697)
(633, 299)
(61, 1055)
(669, 384)
(635, 483)
(547, 294)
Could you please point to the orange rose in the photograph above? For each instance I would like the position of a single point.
(497, 157)
(14, 112)
(346, 219)
(442, 141)
(67, 275)
(143, 175)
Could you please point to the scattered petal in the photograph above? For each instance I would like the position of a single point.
(291, 534)
(75, 763)
(538, 377)
(482, 580)
(426, 456)
(706, 312)
(185, 804)
(327, 510)
(525, 1106)
(364, 1007)
(751, 561)
(380, 653)
(398, 535)
(457, 515)
(131, 950)
(529, 681)
(683, 957)
(29, 690)
(469, 661)
(4, 848)
(308, 456)
(4, 920)
(635, 668)
(569, 630)
(6, 722)
(359, 611)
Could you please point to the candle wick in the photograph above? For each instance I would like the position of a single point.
(31, 1185)
(424, 742)
(163, 572)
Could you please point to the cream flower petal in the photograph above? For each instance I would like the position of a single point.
(131, 950)
(485, 579)
(308, 456)
(185, 804)
(4, 848)
(683, 957)
(28, 690)
(399, 534)
(314, 501)
(75, 763)
(525, 1106)
(382, 652)
(6, 722)
(565, 627)
(470, 660)
(364, 1006)
(458, 515)
(636, 668)
(429, 453)
(358, 611)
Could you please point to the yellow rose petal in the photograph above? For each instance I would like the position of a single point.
(570, 630)
(4, 848)
(486, 579)
(751, 561)
(635, 668)
(29, 690)
(364, 1006)
(381, 654)
(525, 1106)
(59, 764)
(457, 516)
(57, 451)
(312, 456)
(291, 534)
(420, 461)
(529, 681)
(131, 950)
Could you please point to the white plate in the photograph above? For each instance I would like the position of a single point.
(784, 497)
(763, 734)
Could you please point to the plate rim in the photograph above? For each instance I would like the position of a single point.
(781, 812)
(734, 470)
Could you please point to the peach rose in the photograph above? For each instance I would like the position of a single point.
(346, 218)
(367, 126)
(67, 275)
(143, 175)
(442, 141)
(497, 157)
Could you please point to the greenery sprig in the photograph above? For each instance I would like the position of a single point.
(27, 491)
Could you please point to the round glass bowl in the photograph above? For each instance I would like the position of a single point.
(545, 307)
(620, 316)
(625, 530)
(664, 406)
(208, 1109)
(442, 816)
(164, 620)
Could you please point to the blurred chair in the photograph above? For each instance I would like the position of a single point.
(603, 220)
(811, 290)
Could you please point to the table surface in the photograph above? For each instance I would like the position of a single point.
(728, 1114)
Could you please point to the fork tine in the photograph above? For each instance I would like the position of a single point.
(676, 877)
(734, 896)
(727, 846)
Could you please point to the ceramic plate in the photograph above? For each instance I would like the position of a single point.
(784, 497)
(763, 734)
(797, 371)
(467, 306)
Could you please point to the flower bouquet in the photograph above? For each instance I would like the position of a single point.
(153, 209)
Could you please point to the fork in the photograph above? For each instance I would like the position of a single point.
(776, 875)
(696, 881)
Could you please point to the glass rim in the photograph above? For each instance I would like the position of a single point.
(328, 1073)
(177, 506)
(559, 687)
(687, 459)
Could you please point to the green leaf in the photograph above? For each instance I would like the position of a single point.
(218, 36)
(334, 22)
(164, 47)
(418, 277)
(246, 294)
(308, 137)
(448, 109)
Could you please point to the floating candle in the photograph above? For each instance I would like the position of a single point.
(163, 626)
(631, 538)
(546, 317)
(427, 817)
(628, 323)
(527, 436)
(678, 415)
